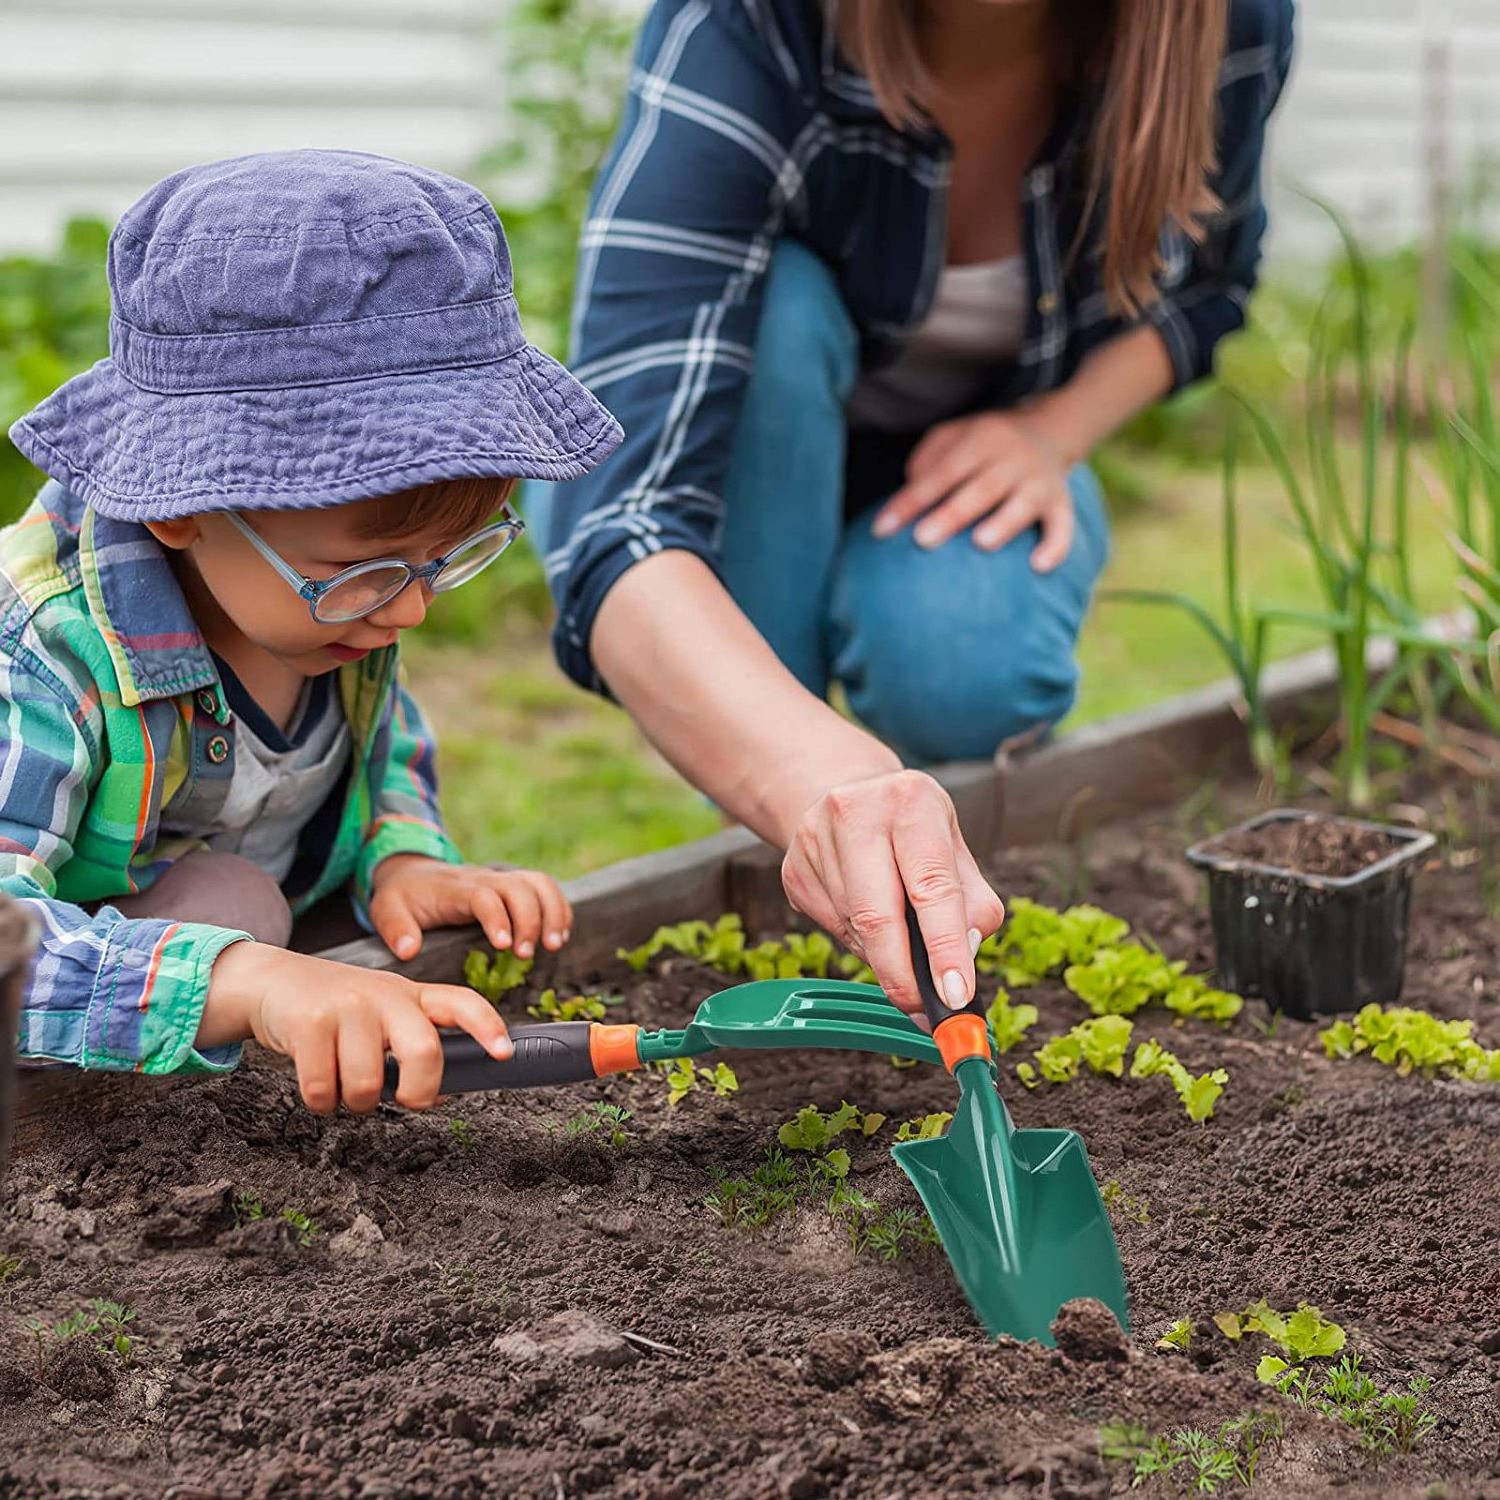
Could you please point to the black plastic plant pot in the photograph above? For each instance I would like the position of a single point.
(1312, 944)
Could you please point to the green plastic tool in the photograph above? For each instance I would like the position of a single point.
(1017, 1211)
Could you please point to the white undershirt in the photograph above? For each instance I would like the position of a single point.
(977, 321)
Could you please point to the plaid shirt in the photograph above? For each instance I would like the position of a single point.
(113, 712)
(743, 124)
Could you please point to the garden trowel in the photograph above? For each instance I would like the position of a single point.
(1018, 1211)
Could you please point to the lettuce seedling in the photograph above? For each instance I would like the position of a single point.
(1178, 1336)
(494, 974)
(1413, 1041)
(1192, 998)
(812, 1130)
(1099, 1042)
(1198, 1095)
(575, 1008)
(926, 1128)
(1009, 1023)
(1030, 946)
(1301, 1335)
(683, 1076)
(1119, 981)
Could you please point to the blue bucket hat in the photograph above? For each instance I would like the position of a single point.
(309, 328)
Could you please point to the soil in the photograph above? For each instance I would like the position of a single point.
(505, 1310)
(1309, 846)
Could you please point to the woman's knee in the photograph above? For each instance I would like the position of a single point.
(220, 890)
(806, 342)
(951, 652)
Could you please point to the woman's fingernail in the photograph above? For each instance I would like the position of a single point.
(405, 947)
(954, 991)
(554, 940)
(502, 938)
(975, 939)
(924, 538)
(883, 527)
(502, 1049)
(567, 934)
(523, 949)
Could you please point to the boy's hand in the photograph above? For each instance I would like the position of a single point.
(337, 1023)
(516, 908)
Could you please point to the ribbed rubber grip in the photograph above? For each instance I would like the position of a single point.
(554, 1052)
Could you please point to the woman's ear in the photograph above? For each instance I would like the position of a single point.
(178, 534)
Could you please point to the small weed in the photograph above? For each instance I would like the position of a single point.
(462, 1132)
(1386, 1421)
(247, 1209)
(600, 1118)
(111, 1319)
(102, 1320)
(1115, 1197)
(307, 1228)
(9, 1266)
(1194, 1461)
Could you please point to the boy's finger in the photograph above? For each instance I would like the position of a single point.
(453, 1005)
(525, 916)
(557, 915)
(396, 923)
(361, 1053)
(489, 911)
(317, 1071)
(415, 1045)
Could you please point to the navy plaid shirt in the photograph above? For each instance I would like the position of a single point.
(745, 123)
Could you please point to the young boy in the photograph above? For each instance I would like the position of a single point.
(317, 400)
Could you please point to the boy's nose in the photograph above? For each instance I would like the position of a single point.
(407, 610)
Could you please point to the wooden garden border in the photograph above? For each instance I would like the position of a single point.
(1111, 769)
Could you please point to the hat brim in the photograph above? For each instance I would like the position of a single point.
(136, 455)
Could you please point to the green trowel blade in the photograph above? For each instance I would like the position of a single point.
(1018, 1212)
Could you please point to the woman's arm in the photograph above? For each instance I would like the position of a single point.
(859, 831)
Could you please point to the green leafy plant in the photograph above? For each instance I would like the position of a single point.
(574, 1008)
(1178, 1336)
(9, 1266)
(1301, 1335)
(112, 1319)
(1191, 997)
(495, 974)
(1119, 981)
(722, 945)
(812, 1130)
(769, 1192)
(1413, 1041)
(54, 322)
(1193, 1460)
(1038, 940)
(462, 1132)
(684, 1076)
(872, 1229)
(1009, 1023)
(1099, 1043)
(1198, 1094)
(1386, 1421)
(306, 1227)
(924, 1128)
(247, 1208)
(600, 1118)
(1114, 1196)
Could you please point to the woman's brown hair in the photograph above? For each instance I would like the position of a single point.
(1154, 70)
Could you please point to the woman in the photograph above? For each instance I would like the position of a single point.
(865, 284)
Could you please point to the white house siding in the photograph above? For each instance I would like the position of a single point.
(1375, 83)
(100, 98)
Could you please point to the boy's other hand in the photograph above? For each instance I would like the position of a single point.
(337, 1023)
(516, 908)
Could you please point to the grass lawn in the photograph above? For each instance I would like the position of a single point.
(538, 773)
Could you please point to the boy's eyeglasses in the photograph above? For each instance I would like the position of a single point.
(360, 590)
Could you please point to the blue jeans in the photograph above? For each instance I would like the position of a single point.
(944, 653)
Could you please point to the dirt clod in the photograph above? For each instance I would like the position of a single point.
(77, 1370)
(1087, 1330)
(839, 1357)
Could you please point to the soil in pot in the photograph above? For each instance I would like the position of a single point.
(1308, 846)
(485, 1304)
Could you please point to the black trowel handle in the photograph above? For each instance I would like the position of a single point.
(958, 1033)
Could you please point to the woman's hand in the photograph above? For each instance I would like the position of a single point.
(516, 908)
(993, 472)
(861, 849)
